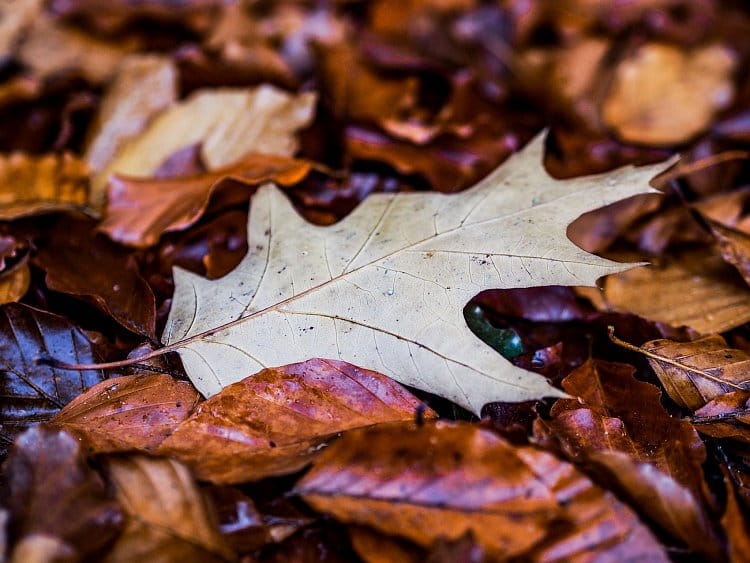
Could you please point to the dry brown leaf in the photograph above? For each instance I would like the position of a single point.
(735, 524)
(664, 95)
(710, 355)
(726, 416)
(144, 86)
(229, 123)
(276, 421)
(51, 48)
(58, 504)
(167, 518)
(443, 480)
(30, 185)
(139, 211)
(134, 412)
(734, 246)
(695, 289)
(619, 432)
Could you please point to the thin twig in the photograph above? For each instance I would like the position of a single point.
(670, 361)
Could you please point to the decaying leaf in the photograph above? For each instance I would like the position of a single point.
(385, 287)
(229, 123)
(133, 412)
(33, 393)
(696, 289)
(735, 525)
(618, 432)
(664, 95)
(685, 383)
(144, 86)
(30, 185)
(60, 509)
(139, 211)
(734, 246)
(443, 480)
(726, 416)
(167, 518)
(81, 263)
(276, 421)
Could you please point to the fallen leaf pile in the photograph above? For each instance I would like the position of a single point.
(374, 281)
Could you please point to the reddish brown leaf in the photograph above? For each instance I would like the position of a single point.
(276, 421)
(710, 355)
(196, 14)
(80, 263)
(596, 230)
(375, 547)
(735, 525)
(58, 505)
(141, 210)
(33, 393)
(734, 246)
(134, 412)
(239, 521)
(167, 518)
(624, 437)
(725, 416)
(443, 480)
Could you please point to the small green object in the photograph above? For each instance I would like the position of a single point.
(504, 340)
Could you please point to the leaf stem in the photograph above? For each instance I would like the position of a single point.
(670, 361)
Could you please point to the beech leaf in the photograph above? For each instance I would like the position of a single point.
(385, 288)
(686, 382)
(276, 421)
(58, 504)
(443, 480)
(167, 517)
(133, 412)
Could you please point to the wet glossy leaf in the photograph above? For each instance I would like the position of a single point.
(620, 434)
(277, 421)
(133, 412)
(442, 480)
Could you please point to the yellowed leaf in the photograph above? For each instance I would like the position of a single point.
(30, 185)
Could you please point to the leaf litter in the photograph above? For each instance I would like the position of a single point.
(298, 421)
